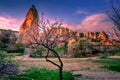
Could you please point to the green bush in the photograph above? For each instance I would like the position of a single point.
(103, 57)
(15, 49)
(7, 66)
(115, 52)
(3, 47)
(2, 57)
(38, 53)
(83, 56)
(42, 74)
(58, 49)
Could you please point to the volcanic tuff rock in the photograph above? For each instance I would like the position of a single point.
(101, 37)
(29, 26)
(96, 35)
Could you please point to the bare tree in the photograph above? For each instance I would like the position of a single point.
(114, 16)
(48, 38)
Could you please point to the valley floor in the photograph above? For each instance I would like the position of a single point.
(89, 69)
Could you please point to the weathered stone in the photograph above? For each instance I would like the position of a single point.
(29, 27)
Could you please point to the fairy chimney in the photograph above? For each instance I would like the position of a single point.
(29, 27)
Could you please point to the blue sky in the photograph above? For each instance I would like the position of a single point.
(72, 11)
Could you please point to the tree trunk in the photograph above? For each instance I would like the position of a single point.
(60, 72)
(61, 63)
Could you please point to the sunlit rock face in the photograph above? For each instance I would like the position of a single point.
(96, 35)
(29, 27)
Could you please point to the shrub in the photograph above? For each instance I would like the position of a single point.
(58, 49)
(7, 66)
(103, 57)
(15, 49)
(3, 47)
(38, 53)
(83, 56)
(77, 54)
(12, 49)
(116, 51)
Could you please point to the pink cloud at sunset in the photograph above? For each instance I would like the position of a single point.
(92, 23)
(7, 22)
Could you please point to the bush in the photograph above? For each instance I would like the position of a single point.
(12, 49)
(115, 52)
(15, 49)
(38, 53)
(83, 56)
(103, 57)
(7, 66)
(3, 47)
(77, 54)
(58, 49)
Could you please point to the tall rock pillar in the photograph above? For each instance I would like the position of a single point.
(29, 27)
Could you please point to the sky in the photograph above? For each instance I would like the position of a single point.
(78, 15)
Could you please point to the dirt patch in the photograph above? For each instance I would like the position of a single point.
(73, 64)
(85, 66)
(97, 75)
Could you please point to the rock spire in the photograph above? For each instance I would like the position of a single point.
(29, 27)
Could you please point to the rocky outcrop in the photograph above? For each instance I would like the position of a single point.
(101, 37)
(96, 35)
(29, 27)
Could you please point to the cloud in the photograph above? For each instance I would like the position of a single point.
(81, 12)
(7, 22)
(92, 23)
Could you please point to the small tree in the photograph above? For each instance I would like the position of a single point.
(114, 16)
(48, 38)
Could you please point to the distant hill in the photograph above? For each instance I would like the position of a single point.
(15, 32)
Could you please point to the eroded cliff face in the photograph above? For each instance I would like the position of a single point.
(29, 27)
(96, 35)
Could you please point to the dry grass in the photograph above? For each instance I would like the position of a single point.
(73, 64)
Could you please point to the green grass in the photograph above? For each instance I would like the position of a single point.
(82, 56)
(103, 57)
(115, 52)
(78, 75)
(42, 74)
(110, 64)
(58, 49)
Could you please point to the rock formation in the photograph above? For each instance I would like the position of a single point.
(96, 35)
(29, 27)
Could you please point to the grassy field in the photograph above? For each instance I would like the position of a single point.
(112, 64)
(41, 74)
